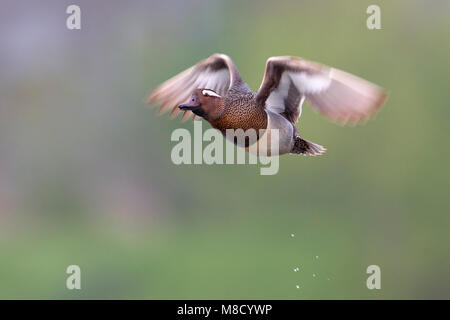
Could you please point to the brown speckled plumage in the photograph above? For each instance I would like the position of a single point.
(240, 111)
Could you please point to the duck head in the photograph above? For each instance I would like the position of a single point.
(204, 103)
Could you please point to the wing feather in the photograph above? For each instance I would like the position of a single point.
(217, 73)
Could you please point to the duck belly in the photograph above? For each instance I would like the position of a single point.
(277, 127)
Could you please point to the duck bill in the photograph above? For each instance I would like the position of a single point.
(192, 103)
(187, 106)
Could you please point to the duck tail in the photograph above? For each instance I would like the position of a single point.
(305, 147)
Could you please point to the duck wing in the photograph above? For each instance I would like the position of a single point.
(338, 95)
(217, 73)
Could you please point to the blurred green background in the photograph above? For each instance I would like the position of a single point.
(86, 176)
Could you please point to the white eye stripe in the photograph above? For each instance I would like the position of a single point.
(207, 92)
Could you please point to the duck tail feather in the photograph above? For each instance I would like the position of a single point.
(305, 147)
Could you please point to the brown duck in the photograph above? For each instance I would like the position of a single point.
(217, 93)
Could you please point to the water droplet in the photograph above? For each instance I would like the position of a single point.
(292, 235)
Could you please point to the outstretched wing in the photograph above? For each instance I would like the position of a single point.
(217, 73)
(340, 96)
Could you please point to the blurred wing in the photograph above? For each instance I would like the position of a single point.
(339, 95)
(217, 73)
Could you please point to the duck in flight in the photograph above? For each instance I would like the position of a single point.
(214, 90)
